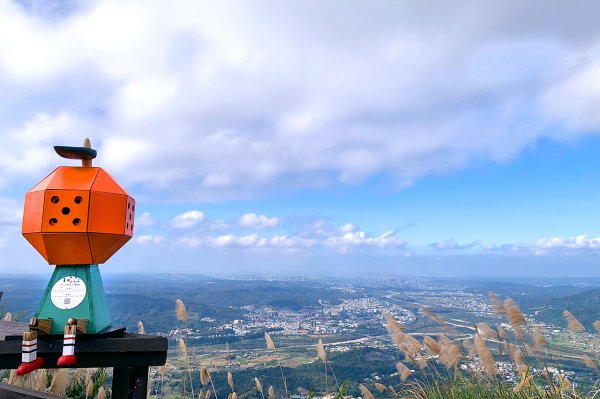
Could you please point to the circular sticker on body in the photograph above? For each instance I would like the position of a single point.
(68, 292)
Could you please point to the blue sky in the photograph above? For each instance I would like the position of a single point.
(337, 138)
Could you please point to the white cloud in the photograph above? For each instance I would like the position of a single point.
(545, 246)
(145, 219)
(206, 101)
(452, 244)
(252, 220)
(187, 219)
(150, 239)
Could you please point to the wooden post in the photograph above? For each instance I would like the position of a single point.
(130, 382)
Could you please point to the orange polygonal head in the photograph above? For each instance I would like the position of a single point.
(78, 215)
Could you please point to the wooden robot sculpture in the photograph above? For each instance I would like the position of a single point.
(76, 218)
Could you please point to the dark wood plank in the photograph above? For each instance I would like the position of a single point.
(120, 382)
(13, 392)
(131, 350)
(138, 382)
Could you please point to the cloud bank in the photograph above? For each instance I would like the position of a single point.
(208, 101)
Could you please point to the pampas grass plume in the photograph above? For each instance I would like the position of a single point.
(573, 324)
(271, 392)
(380, 387)
(366, 394)
(403, 371)
(497, 307)
(101, 393)
(321, 351)
(259, 386)
(183, 349)
(269, 341)
(589, 362)
(204, 376)
(538, 340)
(60, 380)
(180, 311)
(230, 379)
(140, 327)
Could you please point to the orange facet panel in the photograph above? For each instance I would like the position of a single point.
(44, 183)
(67, 248)
(107, 213)
(36, 241)
(104, 246)
(105, 183)
(65, 211)
(73, 178)
(32, 212)
(130, 216)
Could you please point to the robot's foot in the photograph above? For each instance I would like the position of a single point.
(67, 360)
(26, 368)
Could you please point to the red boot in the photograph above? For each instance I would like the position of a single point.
(68, 355)
(29, 354)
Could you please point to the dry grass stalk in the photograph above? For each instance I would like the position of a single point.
(501, 333)
(431, 346)
(485, 331)
(182, 349)
(204, 376)
(539, 341)
(392, 325)
(515, 353)
(485, 356)
(321, 351)
(259, 386)
(380, 387)
(516, 318)
(597, 325)
(7, 317)
(403, 371)
(366, 394)
(201, 394)
(420, 361)
(497, 307)
(180, 311)
(230, 380)
(573, 324)
(42, 380)
(432, 316)
(525, 382)
(589, 362)
(271, 392)
(101, 393)
(269, 341)
(449, 354)
(470, 347)
(208, 394)
(523, 369)
(140, 327)
(564, 381)
(60, 381)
